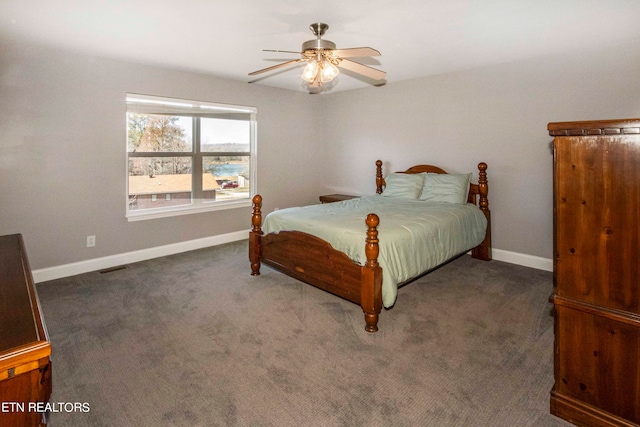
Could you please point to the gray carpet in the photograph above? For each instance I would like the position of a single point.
(194, 340)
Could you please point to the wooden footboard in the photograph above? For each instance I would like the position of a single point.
(314, 261)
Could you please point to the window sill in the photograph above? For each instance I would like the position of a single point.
(186, 210)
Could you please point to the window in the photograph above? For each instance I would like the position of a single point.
(188, 156)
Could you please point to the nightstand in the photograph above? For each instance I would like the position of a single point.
(330, 198)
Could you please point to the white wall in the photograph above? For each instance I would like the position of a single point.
(62, 153)
(496, 114)
(62, 139)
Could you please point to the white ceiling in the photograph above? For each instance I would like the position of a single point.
(415, 37)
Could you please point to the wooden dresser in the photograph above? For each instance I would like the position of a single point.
(597, 272)
(25, 366)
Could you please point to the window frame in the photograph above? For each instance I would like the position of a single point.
(148, 104)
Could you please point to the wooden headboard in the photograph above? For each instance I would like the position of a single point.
(477, 195)
(477, 192)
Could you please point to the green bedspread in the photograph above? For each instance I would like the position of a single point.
(414, 235)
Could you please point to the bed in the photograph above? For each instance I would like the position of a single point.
(363, 249)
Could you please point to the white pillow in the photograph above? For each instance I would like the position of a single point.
(446, 188)
(404, 185)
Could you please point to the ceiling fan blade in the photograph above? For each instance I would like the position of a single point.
(365, 70)
(355, 52)
(275, 67)
(280, 51)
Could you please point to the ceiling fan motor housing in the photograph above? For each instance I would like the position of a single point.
(318, 29)
(318, 44)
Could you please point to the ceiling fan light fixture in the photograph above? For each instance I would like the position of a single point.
(323, 60)
(328, 71)
(310, 71)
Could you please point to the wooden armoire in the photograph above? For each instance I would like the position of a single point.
(597, 272)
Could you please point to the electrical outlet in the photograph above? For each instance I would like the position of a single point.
(91, 241)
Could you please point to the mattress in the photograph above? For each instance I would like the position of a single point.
(415, 236)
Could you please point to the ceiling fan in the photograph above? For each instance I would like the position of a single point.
(323, 59)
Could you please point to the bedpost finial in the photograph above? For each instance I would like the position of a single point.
(379, 179)
(372, 220)
(482, 176)
(371, 248)
(483, 187)
(256, 217)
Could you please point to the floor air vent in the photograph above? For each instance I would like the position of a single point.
(112, 269)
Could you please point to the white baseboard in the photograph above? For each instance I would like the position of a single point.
(523, 259)
(67, 270)
(57, 272)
